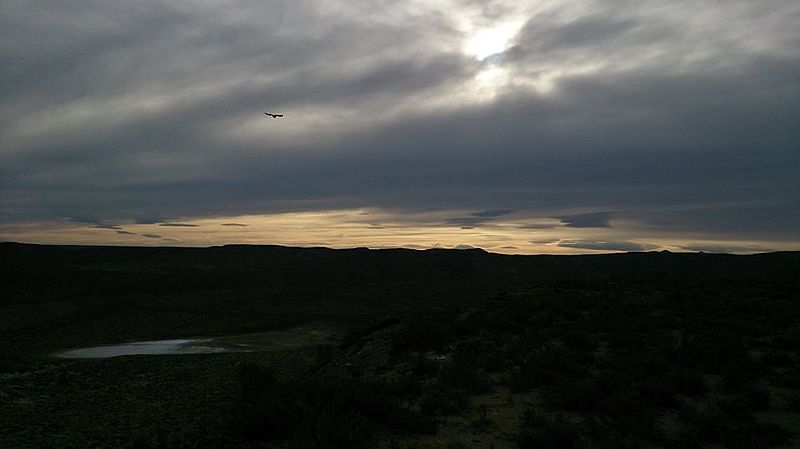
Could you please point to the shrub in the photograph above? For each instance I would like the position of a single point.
(658, 394)
(338, 428)
(778, 359)
(456, 445)
(734, 381)
(792, 378)
(465, 376)
(266, 409)
(555, 434)
(579, 340)
(728, 422)
(531, 417)
(443, 399)
(690, 383)
(421, 365)
(793, 402)
(751, 366)
(754, 435)
(756, 397)
(548, 365)
(581, 397)
(334, 410)
(421, 336)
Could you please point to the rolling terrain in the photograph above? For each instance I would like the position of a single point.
(437, 348)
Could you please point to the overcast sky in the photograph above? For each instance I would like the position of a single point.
(539, 126)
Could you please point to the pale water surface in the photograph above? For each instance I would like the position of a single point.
(185, 346)
(298, 337)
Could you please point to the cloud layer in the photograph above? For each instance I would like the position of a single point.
(672, 120)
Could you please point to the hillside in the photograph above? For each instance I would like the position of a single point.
(438, 348)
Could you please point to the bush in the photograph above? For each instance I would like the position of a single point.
(266, 409)
(464, 376)
(443, 399)
(555, 434)
(334, 410)
(579, 340)
(658, 394)
(792, 378)
(756, 397)
(580, 397)
(728, 422)
(421, 336)
(754, 435)
(531, 417)
(337, 428)
(793, 402)
(777, 359)
(421, 365)
(734, 381)
(549, 365)
(690, 383)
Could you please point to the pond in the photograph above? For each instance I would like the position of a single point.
(185, 346)
(294, 338)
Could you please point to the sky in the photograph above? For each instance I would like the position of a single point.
(525, 127)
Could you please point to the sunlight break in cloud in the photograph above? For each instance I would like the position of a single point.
(491, 41)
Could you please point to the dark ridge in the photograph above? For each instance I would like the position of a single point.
(115, 270)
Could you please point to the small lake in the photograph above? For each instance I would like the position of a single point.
(294, 338)
(187, 346)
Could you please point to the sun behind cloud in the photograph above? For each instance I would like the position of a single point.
(490, 41)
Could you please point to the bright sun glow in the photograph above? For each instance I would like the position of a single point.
(488, 82)
(490, 41)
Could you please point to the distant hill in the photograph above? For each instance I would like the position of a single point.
(111, 270)
(498, 345)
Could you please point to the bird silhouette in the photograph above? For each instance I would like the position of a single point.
(273, 115)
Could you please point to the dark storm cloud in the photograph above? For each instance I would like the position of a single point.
(106, 226)
(606, 246)
(729, 249)
(126, 233)
(667, 115)
(590, 220)
(145, 220)
(241, 225)
(477, 218)
(152, 236)
(537, 226)
(178, 225)
(465, 222)
(493, 213)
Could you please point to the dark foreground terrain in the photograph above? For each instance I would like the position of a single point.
(427, 349)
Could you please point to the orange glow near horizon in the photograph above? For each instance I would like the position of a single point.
(365, 228)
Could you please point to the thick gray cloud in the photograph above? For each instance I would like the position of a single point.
(603, 246)
(680, 117)
(478, 218)
(492, 213)
(107, 226)
(178, 225)
(589, 220)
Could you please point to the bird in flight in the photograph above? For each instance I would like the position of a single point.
(273, 115)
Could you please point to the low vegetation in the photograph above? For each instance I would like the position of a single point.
(621, 360)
